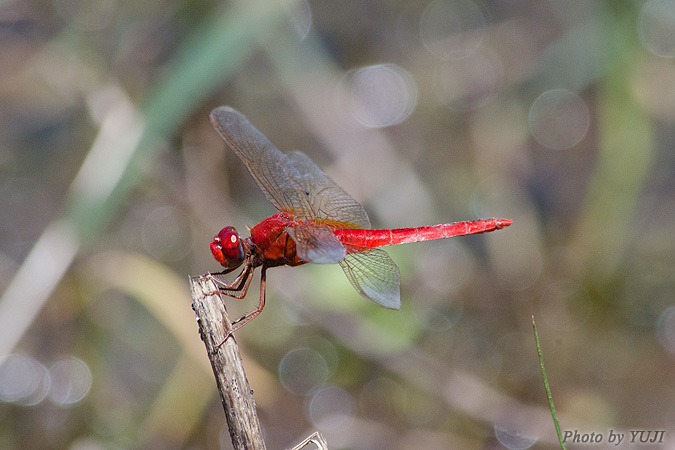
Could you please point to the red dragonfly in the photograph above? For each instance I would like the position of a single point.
(317, 222)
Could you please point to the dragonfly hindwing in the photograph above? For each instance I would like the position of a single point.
(375, 276)
(317, 244)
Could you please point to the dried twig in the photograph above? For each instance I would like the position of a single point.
(316, 438)
(235, 393)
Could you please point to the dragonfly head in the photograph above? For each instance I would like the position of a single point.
(228, 249)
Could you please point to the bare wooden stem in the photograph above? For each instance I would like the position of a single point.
(235, 393)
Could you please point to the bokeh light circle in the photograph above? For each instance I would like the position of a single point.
(436, 319)
(71, 380)
(22, 380)
(665, 329)
(559, 119)
(166, 234)
(513, 440)
(656, 27)
(330, 408)
(300, 16)
(381, 95)
(452, 29)
(302, 370)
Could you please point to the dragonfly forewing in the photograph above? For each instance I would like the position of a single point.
(329, 201)
(272, 170)
(292, 182)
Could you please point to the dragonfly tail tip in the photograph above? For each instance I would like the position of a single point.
(503, 223)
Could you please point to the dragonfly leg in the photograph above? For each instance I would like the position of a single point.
(238, 288)
(246, 318)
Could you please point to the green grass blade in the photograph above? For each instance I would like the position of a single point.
(548, 388)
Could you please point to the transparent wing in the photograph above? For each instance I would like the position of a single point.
(270, 168)
(292, 183)
(329, 201)
(317, 244)
(374, 275)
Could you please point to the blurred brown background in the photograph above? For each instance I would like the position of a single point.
(556, 114)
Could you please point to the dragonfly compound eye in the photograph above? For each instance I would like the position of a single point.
(227, 248)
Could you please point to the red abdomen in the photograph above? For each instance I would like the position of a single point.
(380, 238)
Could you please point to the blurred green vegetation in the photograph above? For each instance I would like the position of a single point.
(112, 183)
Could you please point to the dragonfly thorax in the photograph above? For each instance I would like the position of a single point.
(227, 248)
